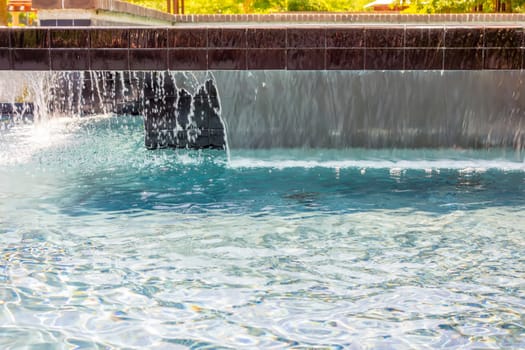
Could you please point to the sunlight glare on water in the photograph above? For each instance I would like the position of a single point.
(108, 245)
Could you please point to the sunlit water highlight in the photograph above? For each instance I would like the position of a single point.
(108, 245)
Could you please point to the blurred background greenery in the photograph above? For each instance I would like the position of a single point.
(272, 6)
(276, 6)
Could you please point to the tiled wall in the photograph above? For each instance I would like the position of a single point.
(274, 47)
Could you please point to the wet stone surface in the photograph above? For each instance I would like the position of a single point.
(271, 47)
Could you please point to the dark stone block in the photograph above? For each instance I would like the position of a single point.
(306, 59)
(81, 22)
(187, 37)
(151, 89)
(384, 37)
(93, 91)
(384, 59)
(30, 38)
(188, 59)
(69, 38)
(306, 37)
(424, 37)
(4, 38)
(215, 122)
(217, 139)
(201, 140)
(184, 103)
(66, 93)
(148, 38)
(16, 112)
(463, 59)
(64, 22)
(183, 121)
(16, 108)
(162, 139)
(63, 59)
(227, 59)
(503, 58)
(110, 38)
(203, 108)
(422, 59)
(213, 95)
(270, 38)
(148, 59)
(504, 37)
(128, 108)
(227, 37)
(126, 87)
(345, 37)
(436, 37)
(160, 119)
(464, 37)
(5, 59)
(106, 59)
(266, 59)
(31, 59)
(345, 59)
(48, 22)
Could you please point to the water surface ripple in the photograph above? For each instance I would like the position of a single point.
(107, 245)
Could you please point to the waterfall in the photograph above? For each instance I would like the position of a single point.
(373, 109)
(291, 109)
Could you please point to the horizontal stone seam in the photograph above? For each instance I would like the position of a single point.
(290, 62)
(246, 43)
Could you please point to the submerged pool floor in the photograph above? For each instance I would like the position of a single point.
(107, 245)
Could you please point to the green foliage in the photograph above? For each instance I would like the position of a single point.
(224, 6)
(306, 5)
(269, 6)
(441, 6)
(257, 6)
(461, 6)
(152, 4)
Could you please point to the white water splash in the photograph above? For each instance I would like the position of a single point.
(396, 167)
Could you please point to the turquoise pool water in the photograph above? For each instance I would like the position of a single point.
(107, 245)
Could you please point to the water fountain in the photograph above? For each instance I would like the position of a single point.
(373, 195)
(329, 109)
(288, 86)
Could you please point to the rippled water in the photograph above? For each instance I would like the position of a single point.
(107, 245)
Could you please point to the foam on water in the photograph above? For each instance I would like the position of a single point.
(22, 142)
(465, 166)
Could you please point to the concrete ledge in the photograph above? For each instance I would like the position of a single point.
(390, 18)
(101, 12)
(97, 18)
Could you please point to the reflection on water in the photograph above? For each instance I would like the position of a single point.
(105, 244)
